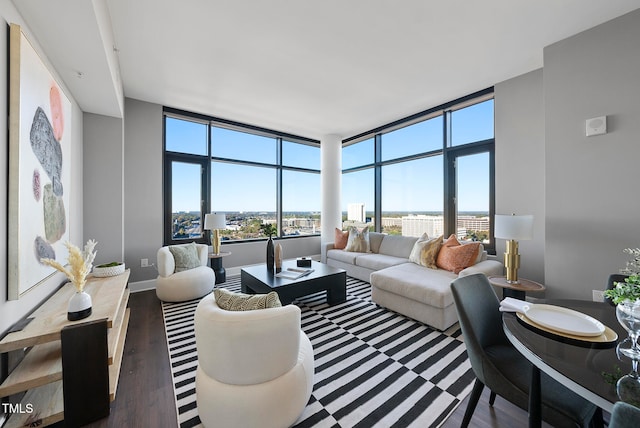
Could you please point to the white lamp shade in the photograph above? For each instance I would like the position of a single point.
(516, 227)
(215, 221)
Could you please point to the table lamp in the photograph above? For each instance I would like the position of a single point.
(513, 228)
(215, 222)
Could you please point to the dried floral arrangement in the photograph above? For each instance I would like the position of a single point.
(79, 263)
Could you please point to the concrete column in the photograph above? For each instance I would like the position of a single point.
(331, 187)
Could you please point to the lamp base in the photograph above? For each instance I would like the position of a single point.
(512, 261)
(215, 241)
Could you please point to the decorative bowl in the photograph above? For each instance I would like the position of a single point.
(109, 269)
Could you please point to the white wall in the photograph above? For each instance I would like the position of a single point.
(591, 189)
(520, 170)
(11, 311)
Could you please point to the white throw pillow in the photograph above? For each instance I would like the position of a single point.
(358, 240)
(417, 248)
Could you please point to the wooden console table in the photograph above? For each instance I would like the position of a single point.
(40, 373)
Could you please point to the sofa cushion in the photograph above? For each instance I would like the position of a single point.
(343, 256)
(358, 240)
(378, 261)
(375, 239)
(341, 238)
(429, 286)
(397, 245)
(231, 301)
(454, 256)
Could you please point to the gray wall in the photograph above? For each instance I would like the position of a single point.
(104, 186)
(519, 134)
(581, 190)
(11, 311)
(143, 186)
(591, 199)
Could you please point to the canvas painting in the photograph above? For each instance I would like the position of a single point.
(39, 167)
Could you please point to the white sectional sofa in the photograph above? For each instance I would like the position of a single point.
(413, 290)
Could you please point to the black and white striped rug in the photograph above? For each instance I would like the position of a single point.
(373, 367)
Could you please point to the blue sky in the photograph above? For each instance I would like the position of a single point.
(409, 186)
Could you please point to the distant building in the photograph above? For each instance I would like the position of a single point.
(416, 225)
(355, 212)
(468, 222)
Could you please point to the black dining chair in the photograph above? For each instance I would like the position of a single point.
(611, 281)
(624, 416)
(499, 366)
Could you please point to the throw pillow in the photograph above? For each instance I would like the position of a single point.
(358, 240)
(186, 256)
(430, 251)
(230, 301)
(454, 256)
(414, 257)
(340, 241)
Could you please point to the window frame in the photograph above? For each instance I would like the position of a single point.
(206, 160)
(449, 154)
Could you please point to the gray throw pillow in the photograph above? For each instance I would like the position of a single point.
(186, 256)
(231, 301)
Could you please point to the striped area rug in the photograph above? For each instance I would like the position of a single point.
(373, 367)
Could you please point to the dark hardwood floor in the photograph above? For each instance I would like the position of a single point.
(145, 395)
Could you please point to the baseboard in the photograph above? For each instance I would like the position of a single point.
(135, 287)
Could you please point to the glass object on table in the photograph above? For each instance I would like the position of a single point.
(628, 314)
(628, 386)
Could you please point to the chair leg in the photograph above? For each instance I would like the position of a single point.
(492, 398)
(473, 401)
(597, 421)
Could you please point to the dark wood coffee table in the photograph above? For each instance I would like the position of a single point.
(258, 279)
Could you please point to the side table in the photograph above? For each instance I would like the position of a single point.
(216, 266)
(517, 291)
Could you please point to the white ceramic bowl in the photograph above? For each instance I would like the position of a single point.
(108, 271)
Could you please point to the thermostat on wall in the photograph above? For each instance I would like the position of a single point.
(597, 126)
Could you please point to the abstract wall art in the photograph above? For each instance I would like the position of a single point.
(39, 167)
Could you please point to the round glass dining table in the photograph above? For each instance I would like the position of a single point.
(588, 368)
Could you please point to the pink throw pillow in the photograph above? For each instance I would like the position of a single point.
(454, 256)
(341, 239)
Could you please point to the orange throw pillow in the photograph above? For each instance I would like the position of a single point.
(454, 256)
(341, 239)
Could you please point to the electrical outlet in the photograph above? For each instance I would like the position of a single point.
(144, 262)
(598, 295)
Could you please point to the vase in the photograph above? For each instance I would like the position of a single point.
(628, 314)
(270, 255)
(79, 306)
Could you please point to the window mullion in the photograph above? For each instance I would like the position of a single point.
(279, 186)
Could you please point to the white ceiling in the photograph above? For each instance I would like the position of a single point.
(305, 67)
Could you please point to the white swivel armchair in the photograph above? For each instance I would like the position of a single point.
(190, 284)
(255, 368)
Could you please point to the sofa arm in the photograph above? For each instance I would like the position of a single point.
(487, 267)
(324, 250)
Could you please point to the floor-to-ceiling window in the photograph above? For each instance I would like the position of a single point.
(254, 176)
(358, 193)
(431, 172)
